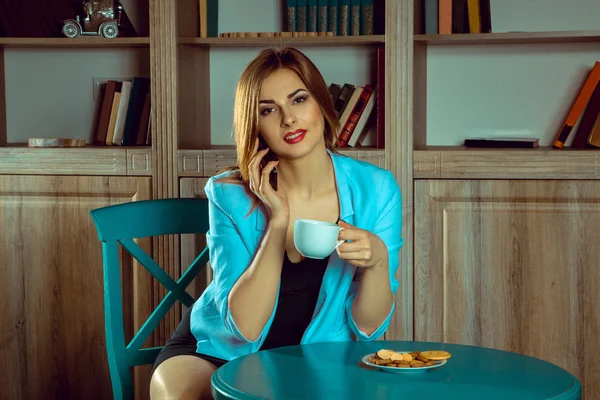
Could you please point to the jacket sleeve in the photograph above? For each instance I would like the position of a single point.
(388, 226)
(229, 257)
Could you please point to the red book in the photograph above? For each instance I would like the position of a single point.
(352, 120)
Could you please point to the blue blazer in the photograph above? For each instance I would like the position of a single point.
(369, 199)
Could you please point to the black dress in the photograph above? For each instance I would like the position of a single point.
(298, 294)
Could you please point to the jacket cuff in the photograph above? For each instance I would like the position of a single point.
(360, 335)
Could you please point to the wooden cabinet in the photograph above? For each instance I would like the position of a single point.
(51, 288)
(511, 265)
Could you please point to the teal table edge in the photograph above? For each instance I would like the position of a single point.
(222, 390)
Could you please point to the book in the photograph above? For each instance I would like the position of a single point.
(582, 99)
(503, 142)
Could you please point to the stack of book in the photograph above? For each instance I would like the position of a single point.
(341, 17)
(122, 117)
(587, 107)
(456, 16)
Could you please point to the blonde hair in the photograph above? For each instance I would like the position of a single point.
(246, 108)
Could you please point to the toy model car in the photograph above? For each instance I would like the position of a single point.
(100, 18)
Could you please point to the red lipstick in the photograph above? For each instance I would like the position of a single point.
(295, 136)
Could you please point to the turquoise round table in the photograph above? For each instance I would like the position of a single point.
(335, 371)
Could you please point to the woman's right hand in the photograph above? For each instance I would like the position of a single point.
(275, 201)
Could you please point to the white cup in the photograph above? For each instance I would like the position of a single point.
(316, 239)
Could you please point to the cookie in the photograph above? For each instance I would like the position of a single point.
(385, 354)
(421, 358)
(435, 355)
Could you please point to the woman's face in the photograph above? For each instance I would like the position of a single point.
(290, 119)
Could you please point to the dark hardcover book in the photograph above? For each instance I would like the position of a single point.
(332, 18)
(496, 143)
(301, 15)
(342, 100)
(431, 14)
(367, 17)
(379, 17)
(311, 16)
(460, 19)
(580, 141)
(290, 6)
(343, 17)
(485, 12)
(334, 91)
(322, 17)
(355, 17)
(139, 89)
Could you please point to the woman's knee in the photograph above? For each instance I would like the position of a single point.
(182, 378)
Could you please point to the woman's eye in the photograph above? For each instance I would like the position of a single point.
(300, 99)
(266, 111)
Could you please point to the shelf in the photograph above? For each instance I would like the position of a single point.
(92, 160)
(539, 163)
(308, 41)
(209, 162)
(509, 38)
(79, 42)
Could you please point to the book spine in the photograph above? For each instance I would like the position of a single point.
(580, 141)
(322, 16)
(344, 17)
(291, 15)
(354, 17)
(301, 15)
(312, 18)
(332, 19)
(354, 116)
(474, 16)
(445, 17)
(430, 10)
(367, 17)
(212, 17)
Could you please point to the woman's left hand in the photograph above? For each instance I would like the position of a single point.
(365, 249)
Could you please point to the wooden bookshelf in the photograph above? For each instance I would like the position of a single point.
(78, 42)
(309, 41)
(510, 38)
(495, 223)
(449, 162)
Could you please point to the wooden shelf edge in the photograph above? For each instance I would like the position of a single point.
(91, 160)
(541, 163)
(310, 41)
(208, 162)
(510, 38)
(78, 42)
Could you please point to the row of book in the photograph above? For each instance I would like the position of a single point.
(122, 116)
(456, 16)
(587, 108)
(354, 106)
(341, 17)
(361, 110)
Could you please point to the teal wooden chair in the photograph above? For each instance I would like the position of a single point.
(120, 224)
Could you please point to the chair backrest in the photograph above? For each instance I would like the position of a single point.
(120, 224)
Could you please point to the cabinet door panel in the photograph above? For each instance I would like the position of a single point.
(52, 339)
(512, 265)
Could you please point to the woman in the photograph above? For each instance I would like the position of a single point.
(264, 294)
